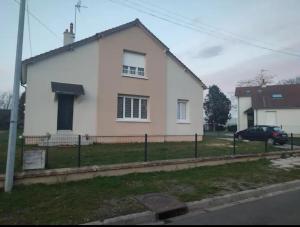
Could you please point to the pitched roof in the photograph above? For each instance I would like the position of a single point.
(272, 97)
(105, 33)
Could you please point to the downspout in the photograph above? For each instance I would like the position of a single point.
(239, 123)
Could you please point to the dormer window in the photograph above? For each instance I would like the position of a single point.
(277, 96)
(133, 64)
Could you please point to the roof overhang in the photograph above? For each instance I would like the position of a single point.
(249, 111)
(67, 89)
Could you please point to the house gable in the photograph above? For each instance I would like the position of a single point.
(101, 35)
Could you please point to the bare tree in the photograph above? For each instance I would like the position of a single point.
(5, 100)
(290, 81)
(262, 79)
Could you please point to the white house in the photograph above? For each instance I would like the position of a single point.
(120, 82)
(277, 105)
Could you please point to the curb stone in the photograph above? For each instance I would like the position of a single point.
(209, 204)
(240, 196)
(131, 219)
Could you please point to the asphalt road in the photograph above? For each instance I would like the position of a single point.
(283, 209)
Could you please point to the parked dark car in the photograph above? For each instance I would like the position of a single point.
(274, 134)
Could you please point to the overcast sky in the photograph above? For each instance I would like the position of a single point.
(213, 50)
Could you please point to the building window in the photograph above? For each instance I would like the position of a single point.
(125, 69)
(128, 109)
(277, 96)
(133, 64)
(120, 107)
(144, 111)
(132, 70)
(182, 111)
(132, 108)
(141, 71)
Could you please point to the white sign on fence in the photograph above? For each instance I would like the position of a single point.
(34, 159)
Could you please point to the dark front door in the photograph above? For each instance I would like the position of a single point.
(250, 117)
(65, 112)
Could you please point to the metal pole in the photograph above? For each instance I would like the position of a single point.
(146, 148)
(196, 145)
(266, 144)
(11, 150)
(79, 149)
(234, 144)
(292, 141)
(22, 150)
(47, 153)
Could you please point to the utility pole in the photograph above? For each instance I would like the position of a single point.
(11, 150)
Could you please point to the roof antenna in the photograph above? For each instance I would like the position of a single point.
(78, 6)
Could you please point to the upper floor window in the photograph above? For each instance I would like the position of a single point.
(133, 64)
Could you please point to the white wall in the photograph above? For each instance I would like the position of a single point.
(244, 103)
(79, 66)
(289, 119)
(181, 85)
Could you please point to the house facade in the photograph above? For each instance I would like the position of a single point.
(123, 82)
(277, 105)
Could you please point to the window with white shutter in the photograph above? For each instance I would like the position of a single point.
(133, 64)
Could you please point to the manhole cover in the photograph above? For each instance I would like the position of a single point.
(165, 206)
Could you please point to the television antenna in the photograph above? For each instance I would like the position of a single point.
(78, 6)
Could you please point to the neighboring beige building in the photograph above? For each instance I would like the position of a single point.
(120, 82)
(277, 105)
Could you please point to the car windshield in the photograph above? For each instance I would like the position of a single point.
(277, 129)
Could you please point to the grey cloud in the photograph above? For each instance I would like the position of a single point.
(210, 52)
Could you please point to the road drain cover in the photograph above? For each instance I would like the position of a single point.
(163, 205)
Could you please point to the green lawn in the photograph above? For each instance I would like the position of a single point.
(105, 197)
(104, 154)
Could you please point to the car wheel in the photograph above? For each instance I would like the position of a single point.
(271, 141)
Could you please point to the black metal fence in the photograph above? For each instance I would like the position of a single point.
(82, 150)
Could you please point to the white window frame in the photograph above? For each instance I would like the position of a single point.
(136, 75)
(132, 119)
(187, 112)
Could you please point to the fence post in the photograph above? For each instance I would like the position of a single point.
(292, 141)
(79, 149)
(22, 150)
(196, 145)
(266, 144)
(146, 148)
(234, 144)
(47, 151)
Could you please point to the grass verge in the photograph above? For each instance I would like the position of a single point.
(105, 197)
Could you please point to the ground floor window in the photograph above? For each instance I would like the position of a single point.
(182, 110)
(132, 107)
